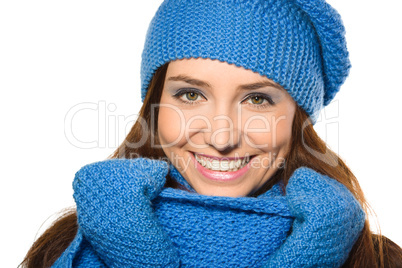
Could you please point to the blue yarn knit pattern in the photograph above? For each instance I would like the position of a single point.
(299, 44)
(127, 219)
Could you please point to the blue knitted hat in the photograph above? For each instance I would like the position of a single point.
(299, 44)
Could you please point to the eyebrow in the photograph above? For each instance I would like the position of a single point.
(189, 80)
(259, 85)
(200, 83)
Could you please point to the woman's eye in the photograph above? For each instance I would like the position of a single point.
(191, 96)
(257, 100)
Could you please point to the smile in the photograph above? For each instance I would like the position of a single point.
(222, 164)
(221, 169)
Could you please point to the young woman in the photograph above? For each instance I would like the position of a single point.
(238, 176)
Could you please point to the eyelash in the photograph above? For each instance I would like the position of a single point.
(178, 95)
(269, 102)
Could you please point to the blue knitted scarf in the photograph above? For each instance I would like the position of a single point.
(127, 218)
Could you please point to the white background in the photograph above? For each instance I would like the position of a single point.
(57, 54)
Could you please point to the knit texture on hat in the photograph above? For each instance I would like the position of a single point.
(299, 44)
(127, 219)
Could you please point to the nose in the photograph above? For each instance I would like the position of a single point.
(225, 133)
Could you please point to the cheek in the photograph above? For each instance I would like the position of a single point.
(170, 125)
(268, 133)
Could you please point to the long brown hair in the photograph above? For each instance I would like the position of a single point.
(307, 149)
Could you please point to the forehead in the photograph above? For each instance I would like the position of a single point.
(215, 72)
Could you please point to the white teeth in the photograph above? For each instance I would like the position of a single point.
(207, 164)
(215, 165)
(238, 163)
(231, 165)
(223, 165)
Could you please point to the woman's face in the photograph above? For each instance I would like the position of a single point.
(225, 128)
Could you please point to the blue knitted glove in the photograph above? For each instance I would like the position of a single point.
(115, 212)
(328, 221)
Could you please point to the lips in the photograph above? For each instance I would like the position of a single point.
(221, 169)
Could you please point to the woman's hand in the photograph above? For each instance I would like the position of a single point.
(328, 221)
(115, 212)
